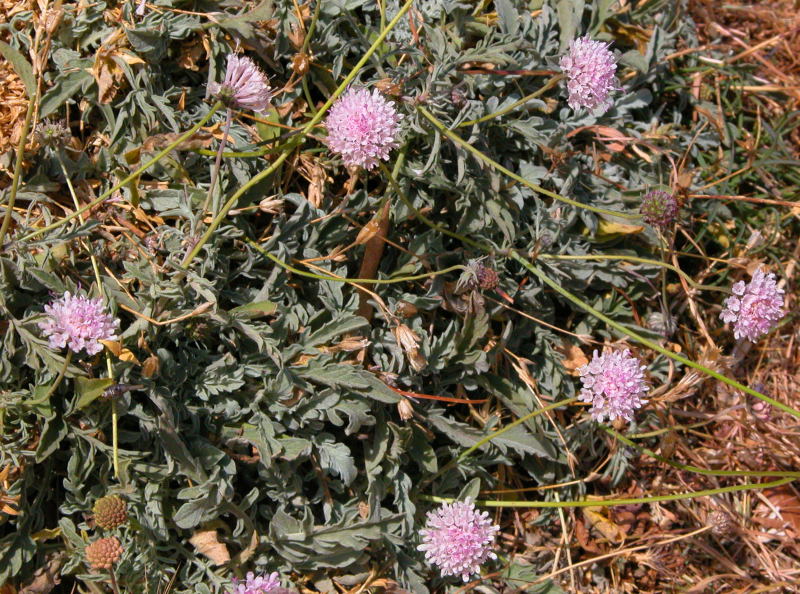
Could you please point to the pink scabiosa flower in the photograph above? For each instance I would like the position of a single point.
(78, 322)
(458, 538)
(363, 127)
(614, 383)
(755, 307)
(590, 68)
(254, 584)
(245, 85)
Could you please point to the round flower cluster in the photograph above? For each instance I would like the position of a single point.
(755, 307)
(110, 512)
(458, 538)
(659, 209)
(614, 384)
(103, 553)
(78, 322)
(254, 584)
(245, 85)
(590, 67)
(363, 127)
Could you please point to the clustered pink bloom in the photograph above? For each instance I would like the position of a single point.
(755, 307)
(78, 322)
(256, 584)
(458, 538)
(590, 68)
(363, 127)
(614, 383)
(245, 85)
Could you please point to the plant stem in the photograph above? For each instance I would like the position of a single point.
(660, 263)
(646, 342)
(114, 586)
(59, 377)
(363, 281)
(496, 434)
(12, 194)
(101, 291)
(160, 155)
(696, 469)
(546, 87)
(613, 502)
(217, 165)
(300, 136)
(536, 188)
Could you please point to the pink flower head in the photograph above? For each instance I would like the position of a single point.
(245, 85)
(755, 307)
(590, 68)
(363, 127)
(458, 538)
(256, 584)
(78, 322)
(614, 384)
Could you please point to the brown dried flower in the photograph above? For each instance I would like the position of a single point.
(110, 512)
(103, 553)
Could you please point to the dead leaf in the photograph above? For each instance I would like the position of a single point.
(207, 543)
(607, 529)
(120, 352)
(574, 358)
(608, 230)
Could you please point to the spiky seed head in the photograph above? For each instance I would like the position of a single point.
(103, 553)
(659, 209)
(110, 512)
(53, 134)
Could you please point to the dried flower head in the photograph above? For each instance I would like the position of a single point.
(363, 127)
(53, 134)
(78, 322)
(720, 522)
(110, 512)
(590, 67)
(477, 275)
(755, 307)
(103, 553)
(254, 584)
(614, 383)
(659, 208)
(458, 538)
(245, 85)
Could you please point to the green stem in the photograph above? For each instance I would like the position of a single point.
(101, 291)
(12, 195)
(547, 86)
(160, 155)
(536, 188)
(423, 218)
(300, 135)
(646, 342)
(362, 281)
(217, 164)
(495, 435)
(660, 263)
(62, 371)
(696, 469)
(613, 502)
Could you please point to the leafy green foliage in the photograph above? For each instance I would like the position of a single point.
(267, 403)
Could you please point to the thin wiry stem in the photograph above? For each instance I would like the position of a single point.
(160, 155)
(297, 139)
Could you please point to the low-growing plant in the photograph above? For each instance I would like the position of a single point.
(279, 280)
